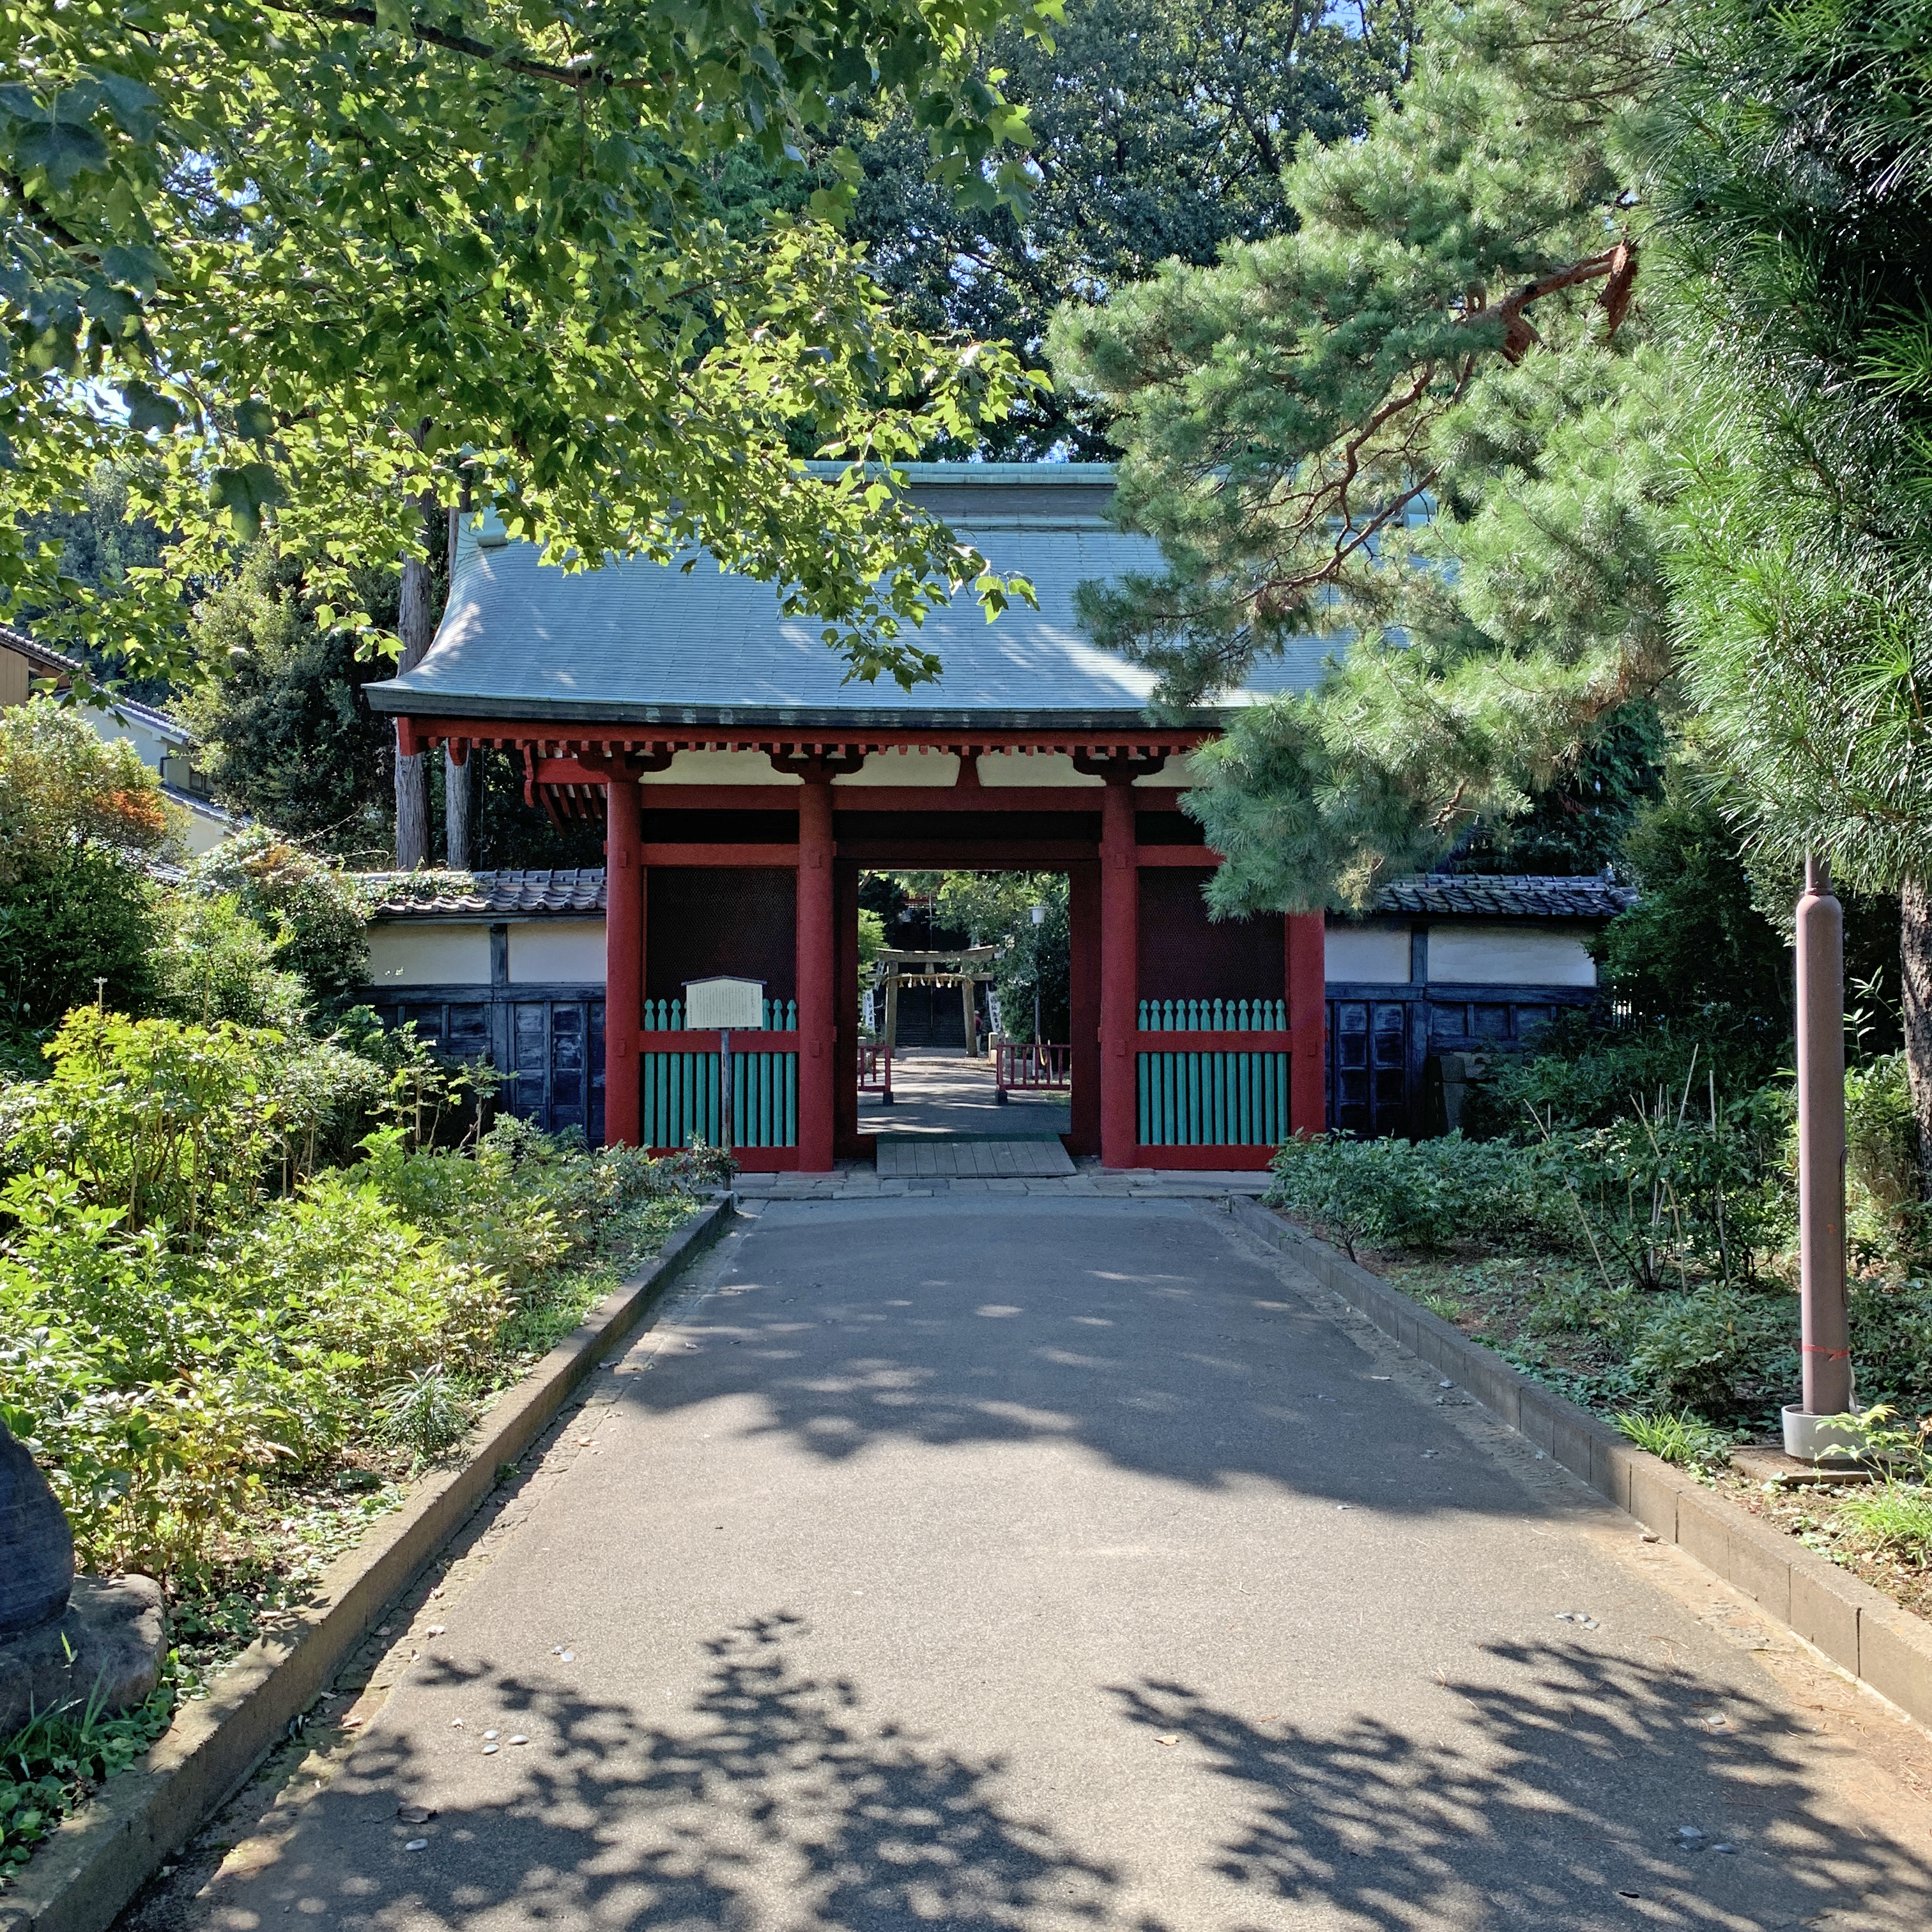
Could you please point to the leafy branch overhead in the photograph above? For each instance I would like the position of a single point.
(302, 266)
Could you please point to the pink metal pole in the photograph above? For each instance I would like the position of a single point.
(1821, 1143)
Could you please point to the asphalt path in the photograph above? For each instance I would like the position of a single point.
(1056, 1564)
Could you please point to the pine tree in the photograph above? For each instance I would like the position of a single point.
(1411, 435)
(1793, 191)
(1508, 515)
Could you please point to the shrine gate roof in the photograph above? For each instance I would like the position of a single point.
(646, 643)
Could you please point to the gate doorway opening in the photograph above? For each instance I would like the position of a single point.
(963, 1019)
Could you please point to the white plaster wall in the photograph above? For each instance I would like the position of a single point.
(738, 768)
(904, 767)
(202, 830)
(1032, 768)
(151, 744)
(1176, 775)
(406, 953)
(1477, 953)
(570, 949)
(1377, 954)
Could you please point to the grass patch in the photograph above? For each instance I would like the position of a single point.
(1687, 1440)
(1894, 1520)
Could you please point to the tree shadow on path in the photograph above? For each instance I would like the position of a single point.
(1603, 1793)
(773, 1802)
(1135, 1330)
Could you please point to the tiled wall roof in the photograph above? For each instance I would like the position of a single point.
(538, 894)
(1502, 896)
(505, 895)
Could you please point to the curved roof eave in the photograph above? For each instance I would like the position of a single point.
(638, 642)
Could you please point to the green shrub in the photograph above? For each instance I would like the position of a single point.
(1892, 1341)
(314, 912)
(1884, 1213)
(213, 963)
(48, 1766)
(184, 1126)
(1695, 940)
(1716, 1352)
(426, 1411)
(174, 1334)
(1670, 1197)
(1587, 1073)
(78, 818)
(1422, 1195)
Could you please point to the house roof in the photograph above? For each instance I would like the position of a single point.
(159, 722)
(539, 894)
(47, 663)
(641, 642)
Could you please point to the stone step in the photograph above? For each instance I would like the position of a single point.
(930, 1157)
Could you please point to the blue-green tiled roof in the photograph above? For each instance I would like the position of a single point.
(646, 643)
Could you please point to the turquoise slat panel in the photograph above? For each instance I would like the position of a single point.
(1210, 1099)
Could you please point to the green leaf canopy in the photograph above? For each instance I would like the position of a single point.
(305, 268)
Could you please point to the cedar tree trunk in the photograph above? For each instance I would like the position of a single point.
(415, 625)
(456, 813)
(1915, 954)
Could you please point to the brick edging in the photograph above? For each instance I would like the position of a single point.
(93, 1864)
(1879, 1641)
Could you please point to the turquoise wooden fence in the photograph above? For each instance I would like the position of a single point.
(1218, 1098)
(1213, 1016)
(682, 1092)
(667, 1016)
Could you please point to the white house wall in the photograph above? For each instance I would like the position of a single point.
(1481, 953)
(1377, 955)
(731, 768)
(570, 951)
(406, 953)
(998, 768)
(910, 766)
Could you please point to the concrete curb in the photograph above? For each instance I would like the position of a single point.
(95, 1863)
(1858, 1628)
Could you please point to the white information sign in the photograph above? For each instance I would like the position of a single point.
(725, 1003)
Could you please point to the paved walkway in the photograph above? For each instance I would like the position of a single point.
(1080, 1568)
(863, 1180)
(937, 1091)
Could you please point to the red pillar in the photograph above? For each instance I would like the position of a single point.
(1120, 942)
(845, 986)
(1306, 979)
(623, 958)
(1083, 921)
(817, 974)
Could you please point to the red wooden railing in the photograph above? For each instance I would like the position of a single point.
(1020, 1066)
(875, 1068)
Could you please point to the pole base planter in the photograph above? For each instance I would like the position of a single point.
(1822, 1438)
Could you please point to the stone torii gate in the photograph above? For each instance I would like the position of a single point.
(964, 967)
